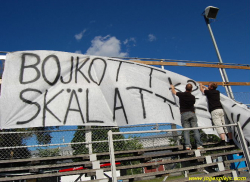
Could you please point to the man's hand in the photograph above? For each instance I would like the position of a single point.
(202, 88)
(173, 89)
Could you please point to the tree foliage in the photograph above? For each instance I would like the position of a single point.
(101, 134)
(48, 152)
(12, 139)
(15, 140)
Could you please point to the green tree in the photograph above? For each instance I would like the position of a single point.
(43, 135)
(15, 140)
(11, 138)
(48, 152)
(79, 136)
(101, 134)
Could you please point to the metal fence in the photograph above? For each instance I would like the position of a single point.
(73, 140)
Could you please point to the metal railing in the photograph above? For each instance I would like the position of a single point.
(111, 134)
(69, 140)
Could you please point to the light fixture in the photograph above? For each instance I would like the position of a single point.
(211, 12)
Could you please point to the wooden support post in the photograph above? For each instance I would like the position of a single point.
(221, 166)
(234, 174)
(88, 138)
(208, 159)
(197, 153)
(92, 157)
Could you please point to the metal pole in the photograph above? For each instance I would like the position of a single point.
(112, 156)
(222, 70)
(243, 144)
(88, 139)
(162, 67)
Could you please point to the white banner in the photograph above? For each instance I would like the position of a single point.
(237, 112)
(49, 88)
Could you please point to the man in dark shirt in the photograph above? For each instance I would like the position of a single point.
(216, 110)
(188, 117)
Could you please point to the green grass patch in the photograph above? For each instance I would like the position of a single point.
(160, 179)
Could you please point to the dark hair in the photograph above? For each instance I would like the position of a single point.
(213, 85)
(189, 87)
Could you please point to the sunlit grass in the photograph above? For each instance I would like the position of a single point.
(160, 179)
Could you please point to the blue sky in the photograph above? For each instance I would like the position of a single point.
(165, 29)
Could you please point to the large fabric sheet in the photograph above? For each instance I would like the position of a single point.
(50, 88)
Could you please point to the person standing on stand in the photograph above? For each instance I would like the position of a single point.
(188, 117)
(216, 110)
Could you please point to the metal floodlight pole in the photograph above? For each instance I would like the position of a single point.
(222, 70)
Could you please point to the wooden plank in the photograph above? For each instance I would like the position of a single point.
(35, 176)
(219, 65)
(180, 160)
(226, 153)
(72, 157)
(235, 160)
(227, 83)
(167, 171)
(143, 150)
(150, 155)
(160, 163)
(49, 166)
(84, 156)
(177, 170)
(190, 152)
(218, 148)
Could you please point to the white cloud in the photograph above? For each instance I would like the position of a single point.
(79, 36)
(131, 39)
(125, 41)
(151, 38)
(106, 46)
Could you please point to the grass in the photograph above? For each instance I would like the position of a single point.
(160, 179)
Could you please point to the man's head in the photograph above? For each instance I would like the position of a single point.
(212, 86)
(189, 87)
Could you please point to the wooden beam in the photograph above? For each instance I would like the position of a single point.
(161, 63)
(228, 83)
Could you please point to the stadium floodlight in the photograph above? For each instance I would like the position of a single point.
(211, 12)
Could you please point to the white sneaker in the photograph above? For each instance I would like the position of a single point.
(200, 147)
